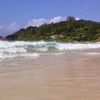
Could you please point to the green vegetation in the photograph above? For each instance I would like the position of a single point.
(69, 30)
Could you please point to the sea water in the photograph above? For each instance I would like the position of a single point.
(13, 49)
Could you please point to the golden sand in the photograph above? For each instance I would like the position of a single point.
(52, 78)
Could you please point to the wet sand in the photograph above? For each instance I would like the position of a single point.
(62, 77)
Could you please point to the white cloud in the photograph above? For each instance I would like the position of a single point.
(57, 19)
(77, 18)
(12, 27)
(8, 29)
(41, 21)
(37, 22)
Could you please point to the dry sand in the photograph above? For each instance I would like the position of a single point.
(60, 77)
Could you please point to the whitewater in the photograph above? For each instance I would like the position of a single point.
(13, 49)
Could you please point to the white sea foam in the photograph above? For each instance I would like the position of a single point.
(76, 46)
(36, 48)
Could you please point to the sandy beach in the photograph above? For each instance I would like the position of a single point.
(62, 77)
(49, 50)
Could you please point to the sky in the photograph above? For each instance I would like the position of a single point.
(16, 14)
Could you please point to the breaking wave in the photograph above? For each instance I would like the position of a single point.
(11, 49)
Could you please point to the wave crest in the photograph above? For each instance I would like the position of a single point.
(36, 48)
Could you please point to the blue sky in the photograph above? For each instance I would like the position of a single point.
(15, 14)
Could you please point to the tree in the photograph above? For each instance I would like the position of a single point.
(71, 18)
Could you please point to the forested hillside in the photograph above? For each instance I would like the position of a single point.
(69, 30)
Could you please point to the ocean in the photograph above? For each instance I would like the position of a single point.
(15, 49)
